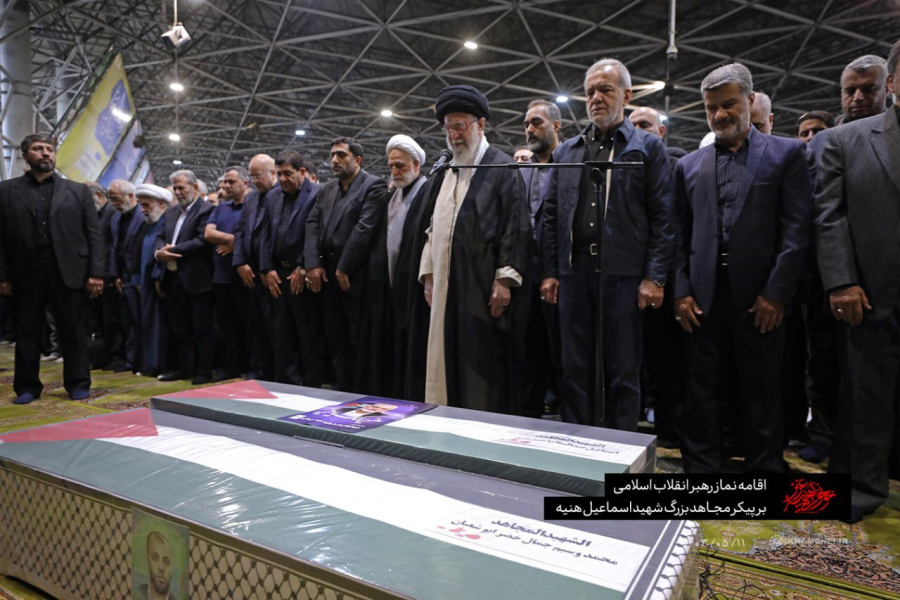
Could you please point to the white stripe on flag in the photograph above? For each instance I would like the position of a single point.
(569, 445)
(592, 558)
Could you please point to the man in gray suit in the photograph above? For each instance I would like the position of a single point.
(857, 219)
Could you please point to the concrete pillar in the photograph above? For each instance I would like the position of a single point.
(15, 56)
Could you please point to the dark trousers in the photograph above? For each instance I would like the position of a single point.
(130, 318)
(793, 375)
(758, 360)
(259, 310)
(233, 317)
(823, 377)
(869, 407)
(622, 347)
(340, 310)
(113, 336)
(664, 360)
(191, 326)
(299, 355)
(543, 370)
(154, 329)
(31, 298)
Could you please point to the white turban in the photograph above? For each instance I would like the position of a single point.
(148, 190)
(408, 145)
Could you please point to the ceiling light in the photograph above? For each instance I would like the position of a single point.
(471, 45)
(663, 117)
(562, 98)
(176, 87)
(176, 162)
(387, 113)
(300, 132)
(174, 137)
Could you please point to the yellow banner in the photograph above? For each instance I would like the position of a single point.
(92, 140)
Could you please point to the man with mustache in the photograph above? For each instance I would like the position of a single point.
(630, 263)
(475, 266)
(743, 207)
(154, 202)
(51, 253)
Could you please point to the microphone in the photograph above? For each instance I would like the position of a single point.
(445, 157)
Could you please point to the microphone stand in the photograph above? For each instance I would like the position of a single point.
(596, 167)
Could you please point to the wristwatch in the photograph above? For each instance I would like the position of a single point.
(658, 283)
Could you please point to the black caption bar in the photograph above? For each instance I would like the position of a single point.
(733, 497)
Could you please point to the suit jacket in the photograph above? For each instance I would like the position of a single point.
(105, 215)
(857, 209)
(74, 229)
(295, 237)
(340, 227)
(134, 237)
(254, 219)
(770, 236)
(638, 232)
(195, 267)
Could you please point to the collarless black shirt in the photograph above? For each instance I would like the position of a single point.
(287, 209)
(41, 193)
(730, 167)
(587, 213)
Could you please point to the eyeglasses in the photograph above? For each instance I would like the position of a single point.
(457, 128)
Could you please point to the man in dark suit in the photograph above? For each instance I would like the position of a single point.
(297, 317)
(105, 307)
(634, 257)
(744, 206)
(339, 236)
(127, 231)
(51, 252)
(542, 350)
(186, 280)
(857, 218)
(247, 236)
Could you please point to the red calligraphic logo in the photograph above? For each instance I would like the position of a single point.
(808, 498)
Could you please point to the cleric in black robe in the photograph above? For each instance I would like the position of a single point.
(379, 369)
(475, 268)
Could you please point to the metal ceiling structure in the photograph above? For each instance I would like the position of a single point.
(256, 71)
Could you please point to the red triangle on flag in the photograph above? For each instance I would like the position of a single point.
(248, 390)
(131, 423)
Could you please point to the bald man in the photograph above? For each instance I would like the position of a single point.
(761, 115)
(247, 237)
(650, 120)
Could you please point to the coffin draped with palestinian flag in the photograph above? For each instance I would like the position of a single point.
(557, 456)
(267, 515)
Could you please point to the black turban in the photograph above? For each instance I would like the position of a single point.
(461, 98)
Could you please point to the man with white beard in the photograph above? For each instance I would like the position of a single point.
(154, 201)
(475, 266)
(380, 368)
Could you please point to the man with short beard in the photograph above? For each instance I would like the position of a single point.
(475, 267)
(154, 201)
(381, 363)
(127, 231)
(105, 307)
(542, 123)
(51, 253)
(744, 206)
(296, 316)
(230, 294)
(339, 235)
(186, 280)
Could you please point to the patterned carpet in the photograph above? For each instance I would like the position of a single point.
(786, 560)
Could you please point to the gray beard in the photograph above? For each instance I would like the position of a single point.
(537, 145)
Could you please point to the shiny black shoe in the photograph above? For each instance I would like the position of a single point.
(224, 376)
(174, 376)
(201, 379)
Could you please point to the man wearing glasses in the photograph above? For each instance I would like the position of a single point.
(475, 266)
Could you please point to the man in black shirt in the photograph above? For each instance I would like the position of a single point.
(51, 252)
